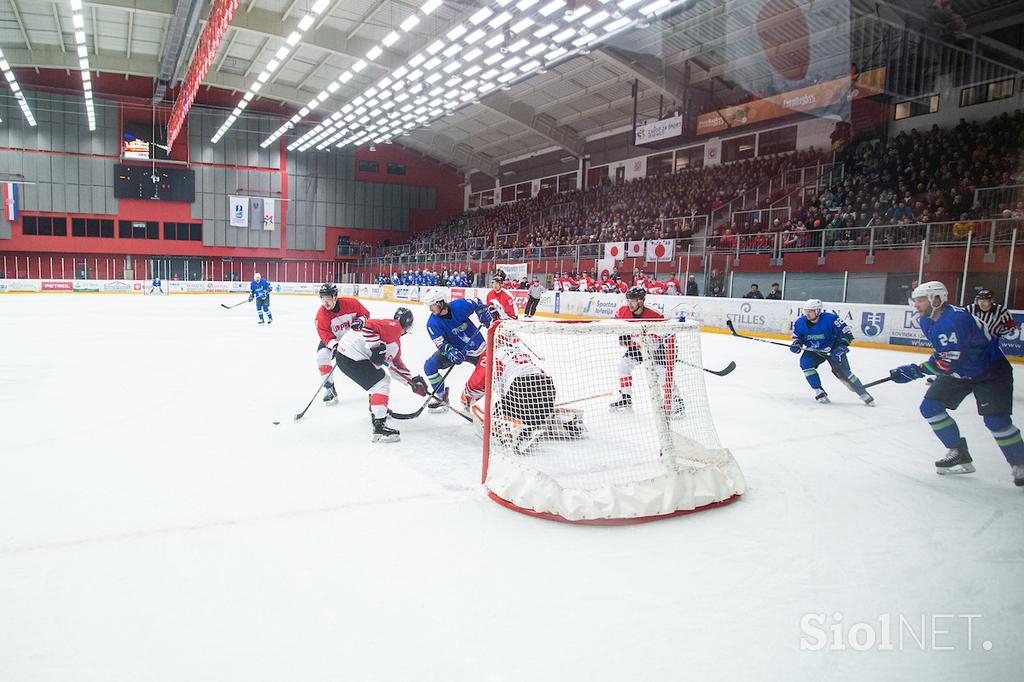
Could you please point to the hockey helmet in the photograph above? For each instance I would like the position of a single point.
(636, 293)
(404, 317)
(435, 297)
(813, 304)
(984, 295)
(930, 290)
(328, 289)
(499, 276)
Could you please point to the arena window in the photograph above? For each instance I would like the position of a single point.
(136, 229)
(917, 107)
(369, 166)
(737, 148)
(44, 226)
(396, 169)
(986, 92)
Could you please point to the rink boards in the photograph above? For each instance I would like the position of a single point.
(884, 326)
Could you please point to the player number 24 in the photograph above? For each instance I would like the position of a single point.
(945, 341)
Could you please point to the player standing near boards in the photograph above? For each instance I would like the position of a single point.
(967, 359)
(636, 310)
(335, 316)
(822, 336)
(259, 289)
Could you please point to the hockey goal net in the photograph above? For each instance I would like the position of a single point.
(150, 290)
(562, 441)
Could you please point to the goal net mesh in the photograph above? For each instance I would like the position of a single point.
(602, 420)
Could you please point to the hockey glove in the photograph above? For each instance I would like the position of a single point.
(484, 315)
(454, 355)
(332, 345)
(495, 310)
(357, 323)
(251, 296)
(419, 386)
(796, 347)
(378, 354)
(906, 373)
(838, 353)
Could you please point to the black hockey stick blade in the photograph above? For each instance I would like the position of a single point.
(722, 372)
(413, 415)
(732, 328)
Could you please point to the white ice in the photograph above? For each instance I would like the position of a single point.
(156, 525)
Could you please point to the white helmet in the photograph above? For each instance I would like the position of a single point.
(931, 290)
(435, 296)
(256, 276)
(813, 304)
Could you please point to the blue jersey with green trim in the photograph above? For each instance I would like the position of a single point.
(827, 332)
(963, 346)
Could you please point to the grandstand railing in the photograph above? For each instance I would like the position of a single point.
(994, 200)
(985, 234)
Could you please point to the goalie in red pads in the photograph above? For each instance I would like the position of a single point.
(361, 355)
(662, 352)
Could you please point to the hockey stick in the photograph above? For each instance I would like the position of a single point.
(717, 372)
(323, 383)
(535, 353)
(413, 415)
(229, 307)
(878, 381)
(580, 400)
(728, 323)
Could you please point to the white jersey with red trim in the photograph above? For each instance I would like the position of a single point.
(511, 363)
(332, 324)
(359, 344)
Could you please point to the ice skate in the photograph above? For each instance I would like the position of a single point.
(625, 402)
(868, 399)
(439, 403)
(262, 322)
(382, 433)
(330, 395)
(957, 461)
(1018, 475)
(821, 396)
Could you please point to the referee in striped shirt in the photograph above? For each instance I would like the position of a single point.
(996, 318)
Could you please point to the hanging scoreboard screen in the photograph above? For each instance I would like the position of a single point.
(147, 182)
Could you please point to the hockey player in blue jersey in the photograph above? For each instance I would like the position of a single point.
(259, 289)
(457, 338)
(967, 359)
(823, 336)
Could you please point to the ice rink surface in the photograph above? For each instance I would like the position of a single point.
(155, 525)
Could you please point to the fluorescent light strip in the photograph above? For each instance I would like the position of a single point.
(78, 21)
(438, 55)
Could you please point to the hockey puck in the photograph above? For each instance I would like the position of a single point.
(276, 423)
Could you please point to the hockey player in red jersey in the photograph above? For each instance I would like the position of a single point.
(334, 317)
(656, 287)
(500, 300)
(635, 308)
(662, 351)
(362, 353)
(672, 287)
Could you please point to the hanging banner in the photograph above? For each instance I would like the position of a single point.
(513, 271)
(635, 249)
(268, 214)
(605, 267)
(238, 209)
(615, 250)
(11, 201)
(659, 250)
(255, 213)
(659, 130)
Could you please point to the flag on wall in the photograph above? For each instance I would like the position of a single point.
(659, 250)
(268, 214)
(255, 213)
(11, 201)
(238, 209)
(615, 250)
(605, 267)
(635, 249)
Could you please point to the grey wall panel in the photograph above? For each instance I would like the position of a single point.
(44, 196)
(275, 239)
(320, 235)
(98, 205)
(231, 236)
(220, 229)
(320, 218)
(71, 170)
(71, 202)
(220, 181)
(85, 199)
(378, 216)
(5, 227)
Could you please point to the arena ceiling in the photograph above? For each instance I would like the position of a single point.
(705, 52)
